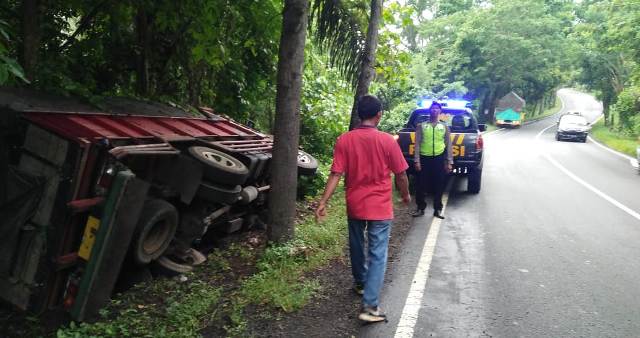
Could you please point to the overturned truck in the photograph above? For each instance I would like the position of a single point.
(93, 198)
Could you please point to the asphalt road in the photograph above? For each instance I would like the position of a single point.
(549, 248)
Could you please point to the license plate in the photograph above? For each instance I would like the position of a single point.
(89, 237)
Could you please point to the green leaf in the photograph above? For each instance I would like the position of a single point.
(4, 75)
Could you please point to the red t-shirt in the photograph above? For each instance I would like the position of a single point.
(367, 157)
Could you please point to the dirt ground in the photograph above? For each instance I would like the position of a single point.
(333, 311)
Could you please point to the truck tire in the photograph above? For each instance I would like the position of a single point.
(474, 180)
(220, 167)
(307, 164)
(155, 229)
(219, 194)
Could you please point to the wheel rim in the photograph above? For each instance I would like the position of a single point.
(303, 158)
(156, 237)
(219, 159)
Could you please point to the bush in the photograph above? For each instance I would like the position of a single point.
(627, 109)
(311, 186)
(394, 120)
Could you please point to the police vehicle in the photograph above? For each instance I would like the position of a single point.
(466, 140)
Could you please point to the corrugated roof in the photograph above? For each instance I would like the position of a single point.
(96, 127)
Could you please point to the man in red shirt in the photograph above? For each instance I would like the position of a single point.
(367, 158)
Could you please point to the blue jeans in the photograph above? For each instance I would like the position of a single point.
(368, 267)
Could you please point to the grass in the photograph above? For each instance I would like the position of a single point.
(162, 308)
(171, 308)
(280, 282)
(623, 143)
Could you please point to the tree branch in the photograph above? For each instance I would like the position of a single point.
(84, 24)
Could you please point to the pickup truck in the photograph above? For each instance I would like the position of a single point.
(96, 196)
(466, 140)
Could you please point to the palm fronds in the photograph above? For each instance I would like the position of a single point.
(336, 31)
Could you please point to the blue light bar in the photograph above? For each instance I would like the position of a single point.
(456, 104)
(425, 103)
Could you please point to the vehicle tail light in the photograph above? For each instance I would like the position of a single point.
(107, 177)
(71, 292)
(105, 180)
(479, 143)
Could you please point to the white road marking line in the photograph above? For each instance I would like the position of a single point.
(632, 161)
(625, 156)
(584, 183)
(412, 305)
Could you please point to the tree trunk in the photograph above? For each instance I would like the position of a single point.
(194, 82)
(284, 172)
(493, 101)
(534, 109)
(542, 106)
(484, 106)
(142, 62)
(606, 102)
(367, 71)
(30, 37)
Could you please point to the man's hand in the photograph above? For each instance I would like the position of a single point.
(402, 183)
(332, 183)
(321, 212)
(406, 199)
(417, 166)
(448, 167)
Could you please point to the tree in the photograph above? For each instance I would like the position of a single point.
(30, 37)
(366, 69)
(282, 198)
(337, 31)
(491, 50)
(9, 68)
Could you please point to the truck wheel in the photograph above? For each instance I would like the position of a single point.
(169, 267)
(220, 167)
(219, 194)
(307, 164)
(474, 180)
(155, 229)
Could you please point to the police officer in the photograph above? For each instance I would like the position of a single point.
(433, 160)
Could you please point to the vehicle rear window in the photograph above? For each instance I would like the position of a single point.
(462, 122)
(456, 119)
(573, 120)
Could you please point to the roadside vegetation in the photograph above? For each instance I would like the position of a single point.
(162, 308)
(245, 273)
(607, 51)
(623, 143)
